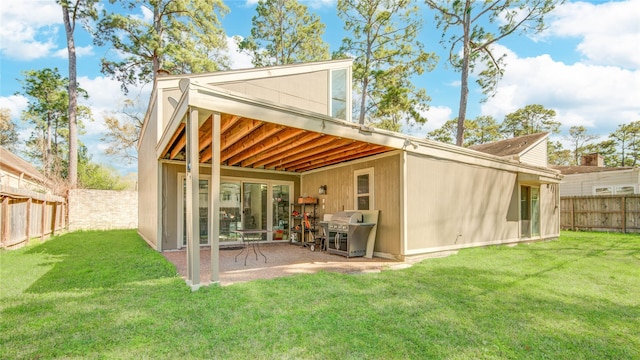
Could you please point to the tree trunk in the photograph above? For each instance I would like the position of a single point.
(464, 81)
(72, 177)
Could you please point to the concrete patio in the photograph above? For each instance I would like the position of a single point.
(283, 259)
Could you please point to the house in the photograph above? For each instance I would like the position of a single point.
(18, 174)
(591, 177)
(233, 149)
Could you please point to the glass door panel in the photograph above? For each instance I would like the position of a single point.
(525, 211)
(203, 214)
(535, 211)
(280, 212)
(254, 213)
(230, 212)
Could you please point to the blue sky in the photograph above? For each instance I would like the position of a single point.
(585, 65)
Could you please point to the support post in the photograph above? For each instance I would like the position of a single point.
(624, 214)
(192, 200)
(214, 195)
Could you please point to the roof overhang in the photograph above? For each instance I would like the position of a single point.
(258, 134)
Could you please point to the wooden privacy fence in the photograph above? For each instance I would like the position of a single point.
(601, 213)
(25, 215)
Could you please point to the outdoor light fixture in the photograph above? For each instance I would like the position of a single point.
(322, 190)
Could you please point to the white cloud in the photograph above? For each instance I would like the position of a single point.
(436, 117)
(80, 52)
(238, 59)
(609, 31)
(591, 95)
(15, 103)
(29, 28)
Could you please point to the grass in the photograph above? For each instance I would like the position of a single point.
(107, 295)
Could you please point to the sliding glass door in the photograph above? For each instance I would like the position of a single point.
(244, 204)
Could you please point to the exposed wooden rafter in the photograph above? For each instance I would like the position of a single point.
(256, 144)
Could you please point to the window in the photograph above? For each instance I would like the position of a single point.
(363, 185)
(338, 94)
(625, 189)
(602, 190)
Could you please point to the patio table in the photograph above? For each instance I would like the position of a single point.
(247, 238)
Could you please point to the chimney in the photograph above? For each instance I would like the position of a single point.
(594, 159)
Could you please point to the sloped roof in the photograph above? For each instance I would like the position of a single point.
(571, 170)
(11, 162)
(511, 147)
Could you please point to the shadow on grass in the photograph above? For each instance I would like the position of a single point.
(98, 259)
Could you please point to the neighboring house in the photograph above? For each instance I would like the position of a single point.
(18, 174)
(591, 177)
(232, 149)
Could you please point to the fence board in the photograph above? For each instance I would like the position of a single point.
(26, 214)
(604, 213)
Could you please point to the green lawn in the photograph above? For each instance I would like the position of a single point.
(107, 295)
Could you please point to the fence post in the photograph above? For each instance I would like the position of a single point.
(624, 214)
(573, 214)
(54, 210)
(28, 220)
(6, 222)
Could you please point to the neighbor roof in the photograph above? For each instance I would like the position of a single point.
(511, 147)
(11, 162)
(580, 169)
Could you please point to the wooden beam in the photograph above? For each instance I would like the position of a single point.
(180, 144)
(294, 143)
(257, 152)
(254, 152)
(353, 147)
(237, 132)
(228, 121)
(323, 145)
(173, 138)
(204, 137)
(336, 160)
(206, 154)
(262, 133)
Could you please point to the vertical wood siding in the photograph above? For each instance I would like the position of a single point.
(340, 196)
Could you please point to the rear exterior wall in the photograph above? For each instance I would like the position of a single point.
(340, 196)
(452, 205)
(148, 183)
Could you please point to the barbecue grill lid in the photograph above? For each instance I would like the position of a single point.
(351, 217)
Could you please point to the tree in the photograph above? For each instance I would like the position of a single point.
(446, 133)
(383, 40)
(97, 176)
(8, 134)
(481, 130)
(626, 138)
(472, 35)
(47, 112)
(557, 154)
(284, 32)
(123, 132)
(184, 36)
(578, 138)
(71, 12)
(530, 120)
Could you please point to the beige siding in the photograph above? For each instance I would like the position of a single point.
(340, 196)
(148, 182)
(549, 210)
(305, 91)
(452, 205)
(583, 184)
(537, 155)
